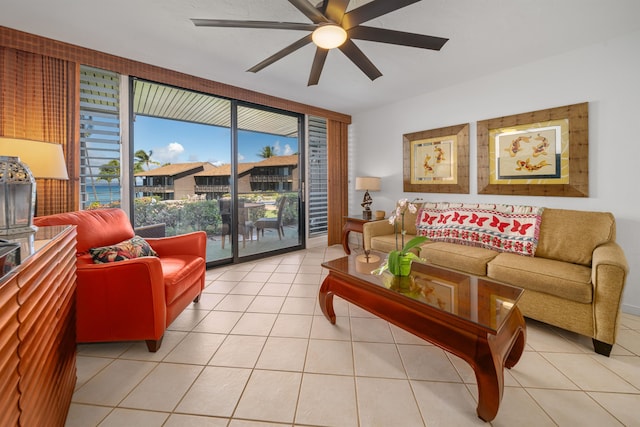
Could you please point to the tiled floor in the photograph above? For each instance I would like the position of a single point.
(256, 351)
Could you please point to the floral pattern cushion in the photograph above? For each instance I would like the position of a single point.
(132, 248)
(505, 228)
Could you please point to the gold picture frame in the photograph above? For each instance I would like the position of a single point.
(540, 153)
(437, 160)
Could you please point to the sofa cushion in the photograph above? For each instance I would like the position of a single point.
(133, 248)
(504, 228)
(571, 236)
(468, 259)
(387, 242)
(559, 278)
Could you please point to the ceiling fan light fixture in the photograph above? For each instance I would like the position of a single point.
(329, 36)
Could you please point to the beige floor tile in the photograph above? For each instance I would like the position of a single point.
(140, 351)
(627, 367)
(208, 301)
(287, 268)
(321, 328)
(270, 396)
(572, 408)
(400, 336)
(518, 408)
(87, 367)
(370, 330)
(265, 267)
(216, 392)
(266, 304)
(445, 404)
(629, 321)
(257, 276)
(303, 291)
(255, 324)
(327, 400)
(355, 311)
(625, 407)
(307, 279)
(283, 354)
(282, 278)
(428, 363)
(104, 349)
(329, 357)
(197, 348)
(588, 374)
(311, 269)
(247, 288)
(221, 286)
(275, 289)
(181, 420)
(239, 351)
(386, 402)
(630, 340)
(233, 275)
(535, 371)
(218, 322)
(188, 319)
(293, 305)
(86, 415)
(377, 360)
(292, 326)
(113, 383)
(130, 417)
(163, 388)
(542, 338)
(233, 302)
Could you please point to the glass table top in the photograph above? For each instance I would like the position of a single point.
(474, 299)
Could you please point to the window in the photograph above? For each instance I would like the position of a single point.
(99, 138)
(318, 187)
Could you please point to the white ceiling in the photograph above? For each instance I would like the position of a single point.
(485, 37)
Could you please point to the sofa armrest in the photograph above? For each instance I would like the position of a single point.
(184, 244)
(608, 276)
(134, 289)
(375, 228)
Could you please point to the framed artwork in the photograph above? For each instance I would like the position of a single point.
(437, 160)
(540, 153)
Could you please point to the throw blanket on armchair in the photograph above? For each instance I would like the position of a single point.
(504, 228)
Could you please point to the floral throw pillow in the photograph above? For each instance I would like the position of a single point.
(132, 248)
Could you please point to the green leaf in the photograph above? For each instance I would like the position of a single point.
(416, 241)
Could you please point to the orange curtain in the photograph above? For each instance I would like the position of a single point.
(38, 101)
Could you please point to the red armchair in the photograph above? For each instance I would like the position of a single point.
(133, 299)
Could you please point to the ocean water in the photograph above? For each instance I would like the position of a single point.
(100, 193)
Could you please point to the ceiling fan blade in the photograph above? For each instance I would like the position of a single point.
(309, 11)
(316, 68)
(281, 54)
(372, 10)
(253, 24)
(397, 37)
(357, 57)
(335, 10)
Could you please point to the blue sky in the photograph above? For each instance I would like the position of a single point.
(174, 141)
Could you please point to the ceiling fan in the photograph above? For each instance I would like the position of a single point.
(333, 27)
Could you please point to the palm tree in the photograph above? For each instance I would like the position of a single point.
(143, 159)
(109, 172)
(267, 151)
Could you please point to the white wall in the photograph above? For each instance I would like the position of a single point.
(606, 75)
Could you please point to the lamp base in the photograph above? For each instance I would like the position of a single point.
(366, 214)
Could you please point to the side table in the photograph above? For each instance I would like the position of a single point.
(353, 223)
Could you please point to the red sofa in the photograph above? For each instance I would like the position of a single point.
(133, 299)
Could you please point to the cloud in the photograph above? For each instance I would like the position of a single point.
(287, 150)
(169, 154)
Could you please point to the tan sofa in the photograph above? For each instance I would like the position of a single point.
(575, 280)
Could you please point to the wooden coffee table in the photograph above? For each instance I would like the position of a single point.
(474, 318)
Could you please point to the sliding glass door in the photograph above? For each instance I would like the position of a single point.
(206, 163)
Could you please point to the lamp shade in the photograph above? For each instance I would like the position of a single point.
(368, 183)
(44, 159)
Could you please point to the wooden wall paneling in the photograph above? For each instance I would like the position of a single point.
(9, 360)
(338, 197)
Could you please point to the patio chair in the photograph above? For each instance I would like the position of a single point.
(245, 226)
(273, 223)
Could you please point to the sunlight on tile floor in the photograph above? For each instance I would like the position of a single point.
(257, 352)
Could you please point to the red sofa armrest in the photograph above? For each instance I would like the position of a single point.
(121, 300)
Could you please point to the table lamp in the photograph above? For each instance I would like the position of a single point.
(21, 161)
(367, 183)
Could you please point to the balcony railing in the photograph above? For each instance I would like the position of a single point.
(271, 178)
(212, 188)
(154, 188)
